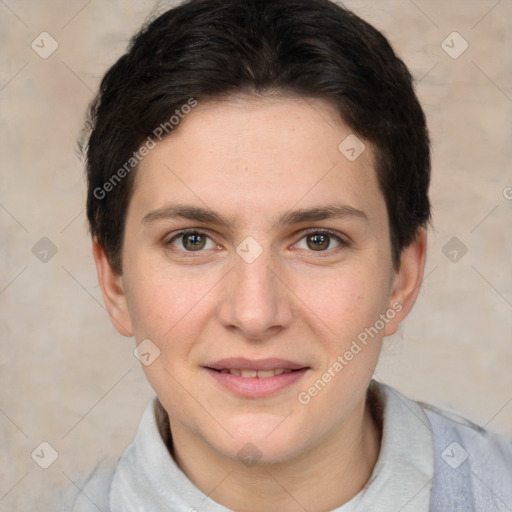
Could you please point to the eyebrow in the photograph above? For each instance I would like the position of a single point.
(208, 216)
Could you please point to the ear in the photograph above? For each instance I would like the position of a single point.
(112, 287)
(407, 281)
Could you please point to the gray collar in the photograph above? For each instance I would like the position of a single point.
(147, 478)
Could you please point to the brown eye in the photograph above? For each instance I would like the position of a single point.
(191, 241)
(194, 241)
(321, 241)
(318, 242)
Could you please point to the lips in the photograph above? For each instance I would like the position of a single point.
(240, 363)
(261, 374)
(255, 378)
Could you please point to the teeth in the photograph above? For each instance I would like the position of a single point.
(262, 374)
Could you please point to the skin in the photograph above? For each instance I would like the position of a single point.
(251, 160)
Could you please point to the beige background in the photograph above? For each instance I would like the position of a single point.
(69, 379)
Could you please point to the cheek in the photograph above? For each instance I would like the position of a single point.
(344, 316)
(342, 304)
(162, 298)
(170, 310)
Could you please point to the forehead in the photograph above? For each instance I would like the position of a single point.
(252, 154)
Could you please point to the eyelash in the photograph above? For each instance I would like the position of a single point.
(343, 243)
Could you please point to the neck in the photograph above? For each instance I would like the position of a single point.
(322, 478)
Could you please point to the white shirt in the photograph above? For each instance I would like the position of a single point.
(427, 462)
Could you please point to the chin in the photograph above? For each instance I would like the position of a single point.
(263, 442)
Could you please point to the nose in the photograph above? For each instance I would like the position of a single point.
(255, 302)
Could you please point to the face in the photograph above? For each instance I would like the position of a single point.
(256, 258)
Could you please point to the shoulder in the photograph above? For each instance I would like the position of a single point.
(97, 490)
(472, 465)
(93, 495)
(470, 441)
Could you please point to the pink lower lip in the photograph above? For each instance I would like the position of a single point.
(255, 387)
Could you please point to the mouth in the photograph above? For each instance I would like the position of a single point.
(260, 374)
(255, 378)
